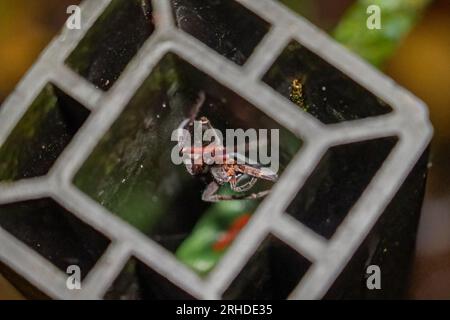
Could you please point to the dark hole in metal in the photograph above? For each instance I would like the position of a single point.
(337, 183)
(139, 282)
(272, 273)
(223, 25)
(41, 135)
(113, 41)
(54, 233)
(328, 94)
(390, 245)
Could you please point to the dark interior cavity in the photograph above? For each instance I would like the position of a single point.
(271, 274)
(337, 183)
(223, 25)
(328, 94)
(41, 135)
(113, 41)
(54, 233)
(139, 282)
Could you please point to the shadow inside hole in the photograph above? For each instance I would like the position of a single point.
(337, 183)
(272, 273)
(223, 25)
(54, 233)
(41, 135)
(328, 94)
(113, 41)
(131, 172)
(139, 282)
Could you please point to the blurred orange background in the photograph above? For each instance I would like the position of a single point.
(422, 64)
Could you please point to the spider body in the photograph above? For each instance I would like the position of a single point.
(240, 175)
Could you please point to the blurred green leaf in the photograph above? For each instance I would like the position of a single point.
(198, 251)
(376, 46)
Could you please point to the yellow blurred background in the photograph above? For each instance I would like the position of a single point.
(422, 64)
(26, 27)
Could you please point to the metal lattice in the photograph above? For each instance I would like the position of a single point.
(408, 121)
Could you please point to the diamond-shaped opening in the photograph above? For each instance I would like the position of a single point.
(139, 282)
(389, 245)
(131, 173)
(323, 13)
(23, 286)
(54, 233)
(224, 25)
(113, 41)
(41, 135)
(272, 273)
(337, 183)
(320, 89)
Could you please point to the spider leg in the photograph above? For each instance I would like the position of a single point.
(245, 187)
(257, 195)
(182, 139)
(260, 173)
(197, 106)
(194, 112)
(208, 125)
(210, 194)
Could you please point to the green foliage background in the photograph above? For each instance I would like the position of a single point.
(376, 46)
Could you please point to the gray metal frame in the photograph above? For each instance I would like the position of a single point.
(408, 121)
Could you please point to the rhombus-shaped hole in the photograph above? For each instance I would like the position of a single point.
(113, 41)
(337, 183)
(54, 233)
(272, 272)
(41, 135)
(320, 89)
(223, 25)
